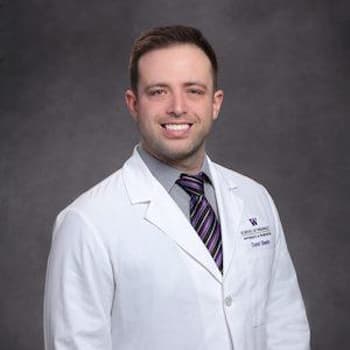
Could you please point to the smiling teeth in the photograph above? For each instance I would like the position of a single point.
(177, 126)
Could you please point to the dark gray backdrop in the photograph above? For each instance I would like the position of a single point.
(64, 127)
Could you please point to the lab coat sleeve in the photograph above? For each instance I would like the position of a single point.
(286, 322)
(79, 287)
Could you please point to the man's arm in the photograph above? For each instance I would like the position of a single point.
(79, 287)
(286, 323)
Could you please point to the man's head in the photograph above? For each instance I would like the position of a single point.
(162, 37)
(174, 100)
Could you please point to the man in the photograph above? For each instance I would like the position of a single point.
(172, 251)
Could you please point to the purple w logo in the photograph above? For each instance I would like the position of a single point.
(253, 221)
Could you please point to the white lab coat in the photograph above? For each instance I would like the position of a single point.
(127, 271)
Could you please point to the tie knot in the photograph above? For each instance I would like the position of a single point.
(193, 184)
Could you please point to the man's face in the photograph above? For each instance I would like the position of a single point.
(175, 104)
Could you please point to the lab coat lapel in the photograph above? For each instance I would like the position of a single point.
(167, 216)
(164, 213)
(230, 208)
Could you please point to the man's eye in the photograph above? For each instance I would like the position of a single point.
(196, 92)
(157, 92)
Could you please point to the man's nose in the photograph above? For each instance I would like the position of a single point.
(177, 105)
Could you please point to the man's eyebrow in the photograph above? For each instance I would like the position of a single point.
(153, 85)
(196, 83)
(186, 84)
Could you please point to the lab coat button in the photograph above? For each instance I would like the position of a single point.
(228, 301)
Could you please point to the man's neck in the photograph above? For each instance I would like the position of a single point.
(190, 165)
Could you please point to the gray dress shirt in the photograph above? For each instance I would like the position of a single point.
(167, 176)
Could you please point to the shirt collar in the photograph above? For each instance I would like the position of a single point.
(164, 173)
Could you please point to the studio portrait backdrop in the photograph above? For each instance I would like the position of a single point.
(284, 68)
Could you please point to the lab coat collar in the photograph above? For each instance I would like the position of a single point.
(141, 179)
(138, 179)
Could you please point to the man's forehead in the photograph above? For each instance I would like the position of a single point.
(185, 62)
(185, 52)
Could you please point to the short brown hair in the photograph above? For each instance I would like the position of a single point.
(162, 37)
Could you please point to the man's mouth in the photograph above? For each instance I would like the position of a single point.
(176, 127)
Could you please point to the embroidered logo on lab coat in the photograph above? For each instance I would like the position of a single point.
(258, 236)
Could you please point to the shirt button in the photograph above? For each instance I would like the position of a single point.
(228, 301)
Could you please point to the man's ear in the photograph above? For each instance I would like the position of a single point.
(131, 103)
(217, 102)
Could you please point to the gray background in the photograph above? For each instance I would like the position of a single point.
(64, 127)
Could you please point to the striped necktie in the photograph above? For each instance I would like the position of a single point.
(202, 215)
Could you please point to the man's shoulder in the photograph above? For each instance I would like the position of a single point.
(101, 195)
(110, 193)
(236, 179)
(245, 187)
